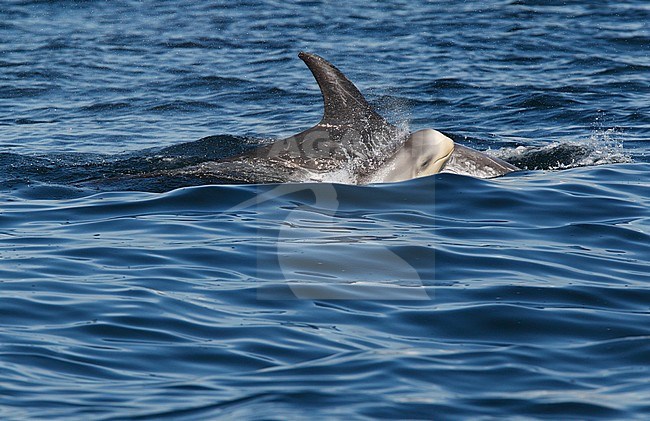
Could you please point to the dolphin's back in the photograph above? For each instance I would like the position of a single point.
(468, 161)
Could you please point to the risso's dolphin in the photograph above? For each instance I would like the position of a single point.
(352, 144)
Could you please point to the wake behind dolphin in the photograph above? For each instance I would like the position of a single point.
(352, 143)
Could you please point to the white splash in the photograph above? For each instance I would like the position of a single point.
(604, 146)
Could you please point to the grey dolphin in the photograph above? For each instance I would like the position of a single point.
(352, 135)
(351, 138)
(351, 141)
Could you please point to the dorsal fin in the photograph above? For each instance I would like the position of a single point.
(342, 100)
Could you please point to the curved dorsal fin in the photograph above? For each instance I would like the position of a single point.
(342, 100)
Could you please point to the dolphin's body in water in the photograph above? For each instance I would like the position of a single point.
(468, 161)
(351, 143)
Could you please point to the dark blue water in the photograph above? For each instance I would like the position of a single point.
(129, 294)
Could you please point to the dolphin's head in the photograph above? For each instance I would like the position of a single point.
(425, 152)
(430, 151)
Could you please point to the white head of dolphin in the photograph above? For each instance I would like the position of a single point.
(425, 152)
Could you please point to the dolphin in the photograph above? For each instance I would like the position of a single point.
(352, 143)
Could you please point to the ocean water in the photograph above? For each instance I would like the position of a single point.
(127, 293)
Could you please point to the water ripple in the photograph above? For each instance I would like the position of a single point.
(127, 293)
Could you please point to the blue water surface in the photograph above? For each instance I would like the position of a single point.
(127, 294)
